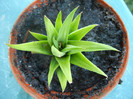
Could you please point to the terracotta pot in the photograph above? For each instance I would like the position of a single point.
(33, 92)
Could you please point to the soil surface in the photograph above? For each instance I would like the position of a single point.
(35, 67)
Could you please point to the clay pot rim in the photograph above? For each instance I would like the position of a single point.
(34, 93)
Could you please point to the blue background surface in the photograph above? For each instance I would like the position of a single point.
(10, 89)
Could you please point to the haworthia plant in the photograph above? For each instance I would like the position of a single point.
(63, 42)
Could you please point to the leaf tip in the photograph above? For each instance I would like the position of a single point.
(96, 24)
(45, 17)
(114, 49)
(49, 87)
(117, 50)
(70, 82)
(106, 77)
(7, 44)
(63, 90)
(77, 7)
(81, 12)
(60, 12)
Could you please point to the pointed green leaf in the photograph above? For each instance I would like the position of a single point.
(62, 79)
(53, 66)
(89, 46)
(75, 24)
(41, 47)
(56, 52)
(64, 63)
(80, 60)
(71, 49)
(64, 30)
(80, 33)
(51, 31)
(58, 22)
(39, 36)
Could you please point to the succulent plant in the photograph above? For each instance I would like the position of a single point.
(63, 43)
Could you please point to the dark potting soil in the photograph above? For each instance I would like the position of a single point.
(35, 67)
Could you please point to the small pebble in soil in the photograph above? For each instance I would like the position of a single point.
(120, 82)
